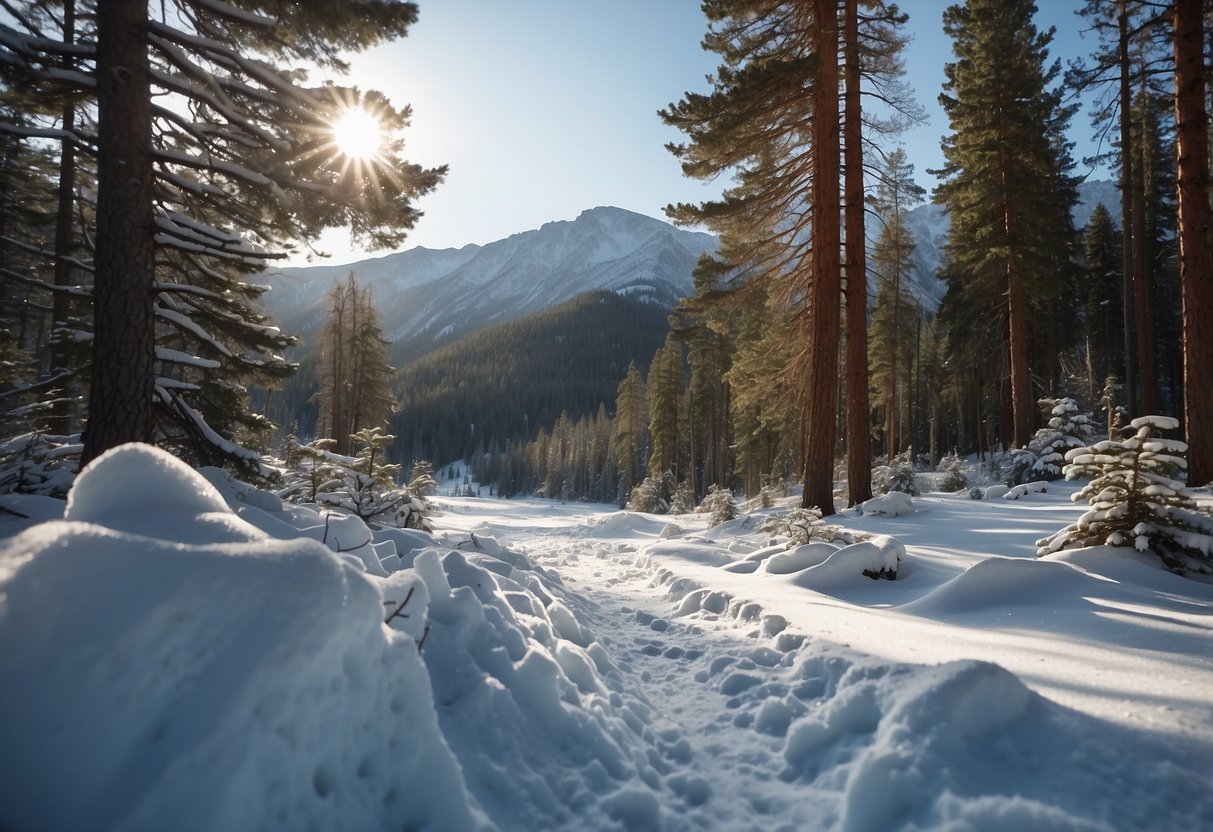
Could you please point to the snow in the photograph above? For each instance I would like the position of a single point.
(892, 504)
(184, 652)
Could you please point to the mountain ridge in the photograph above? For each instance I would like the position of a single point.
(428, 297)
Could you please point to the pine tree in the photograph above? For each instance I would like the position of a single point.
(629, 442)
(665, 385)
(1067, 429)
(1136, 501)
(1008, 234)
(1102, 317)
(187, 204)
(353, 371)
(892, 261)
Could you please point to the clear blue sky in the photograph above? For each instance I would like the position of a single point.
(544, 108)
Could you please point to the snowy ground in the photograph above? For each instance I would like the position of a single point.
(584, 668)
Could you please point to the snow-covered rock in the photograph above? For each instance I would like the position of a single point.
(893, 504)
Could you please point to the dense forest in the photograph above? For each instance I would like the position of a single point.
(501, 384)
(800, 356)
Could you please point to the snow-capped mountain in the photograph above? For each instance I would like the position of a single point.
(427, 296)
(929, 225)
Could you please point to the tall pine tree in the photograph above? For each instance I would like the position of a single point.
(1008, 235)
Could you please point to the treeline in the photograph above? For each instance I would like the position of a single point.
(792, 365)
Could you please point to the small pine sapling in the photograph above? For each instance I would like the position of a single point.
(897, 476)
(311, 470)
(1135, 501)
(682, 503)
(952, 468)
(1067, 429)
(719, 505)
(39, 463)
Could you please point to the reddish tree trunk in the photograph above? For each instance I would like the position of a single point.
(120, 398)
(859, 439)
(826, 288)
(1195, 237)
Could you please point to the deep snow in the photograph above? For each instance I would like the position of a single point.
(170, 661)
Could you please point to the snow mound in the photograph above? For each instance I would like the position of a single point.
(1024, 489)
(893, 504)
(178, 682)
(993, 492)
(530, 702)
(799, 558)
(1004, 582)
(142, 490)
(623, 524)
(863, 560)
(894, 732)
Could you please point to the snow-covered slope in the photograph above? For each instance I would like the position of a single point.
(187, 652)
(423, 294)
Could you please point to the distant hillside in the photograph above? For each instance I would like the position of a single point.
(503, 383)
(429, 298)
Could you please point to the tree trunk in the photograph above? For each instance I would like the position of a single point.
(1126, 207)
(1022, 401)
(859, 439)
(59, 422)
(1195, 237)
(123, 374)
(825, 289)
(1147, 376)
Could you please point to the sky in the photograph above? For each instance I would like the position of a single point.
(545, 108)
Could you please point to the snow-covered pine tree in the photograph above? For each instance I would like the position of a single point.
(655, 495)
(897, 476)
(719, 505)
(309, 470)
(366, 486)
(952, 468)
(1067, 429)
(1135, 500)
(421, 478)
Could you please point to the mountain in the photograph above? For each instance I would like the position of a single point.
(429, 297)
(929, 225)
(501, 383)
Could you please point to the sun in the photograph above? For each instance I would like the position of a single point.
(357, 134)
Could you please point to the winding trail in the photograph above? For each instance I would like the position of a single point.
(698, 681)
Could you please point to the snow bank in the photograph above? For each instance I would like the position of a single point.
(1004, 583)
(174, 668)
(893, 504)
(799, 558)
(624, 524)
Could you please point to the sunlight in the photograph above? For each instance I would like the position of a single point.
(357, 134)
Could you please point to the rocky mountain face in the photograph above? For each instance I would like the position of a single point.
(427, 298)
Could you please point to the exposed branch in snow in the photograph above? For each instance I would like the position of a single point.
(399, 611)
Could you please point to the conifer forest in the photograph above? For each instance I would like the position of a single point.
(158, 157)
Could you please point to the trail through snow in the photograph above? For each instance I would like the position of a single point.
(184, 651)
(755, 721)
